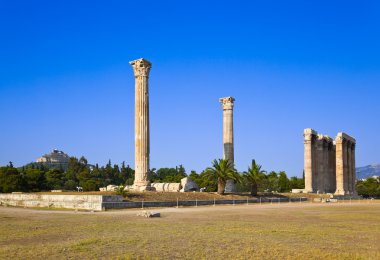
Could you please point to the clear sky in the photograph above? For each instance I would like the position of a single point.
(65, 81)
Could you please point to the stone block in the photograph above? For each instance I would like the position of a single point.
(188, 185)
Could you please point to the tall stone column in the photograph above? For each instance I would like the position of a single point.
(141, 68)
(326, 174)
(228, 136)
(332, 167)
(309, 142)
(349, 168)
(339, 165)
(353, 165)
(321, 163)
(345, 166)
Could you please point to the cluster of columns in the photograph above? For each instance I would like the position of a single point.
(228, 136)
(141, 69)
(329, 165)
(319, 162)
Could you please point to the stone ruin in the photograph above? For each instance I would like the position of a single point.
(329, 165)
(186, 185)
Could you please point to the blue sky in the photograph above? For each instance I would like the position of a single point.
(65, 81)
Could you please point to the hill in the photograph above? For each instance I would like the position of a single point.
(368, 171)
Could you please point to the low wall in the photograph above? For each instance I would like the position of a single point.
(104, 202)
(84, 202)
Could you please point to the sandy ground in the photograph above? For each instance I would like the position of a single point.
(268, 231)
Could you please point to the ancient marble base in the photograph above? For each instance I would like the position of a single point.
(139, 188)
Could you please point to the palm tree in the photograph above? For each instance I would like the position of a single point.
(253, 176)
(222, 170)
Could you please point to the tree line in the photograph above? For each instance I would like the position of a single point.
(369, 188)
(35, 177)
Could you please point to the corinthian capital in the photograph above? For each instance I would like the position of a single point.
(227, 103)
(141, 67)
(309, 135)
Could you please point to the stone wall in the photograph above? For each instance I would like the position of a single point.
(83, 202)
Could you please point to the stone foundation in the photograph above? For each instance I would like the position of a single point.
(82, 202)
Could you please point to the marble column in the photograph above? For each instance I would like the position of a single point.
(141, 68)
(326, 174)
(349, 168)
(320, 163)
(228, 136)
(332, 167)
(339, 165)
(309, 142)
(353, 165)
(345, 166)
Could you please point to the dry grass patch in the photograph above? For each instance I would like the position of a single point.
(289, 231)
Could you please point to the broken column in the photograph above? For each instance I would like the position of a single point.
(228, 136)
(141, 68)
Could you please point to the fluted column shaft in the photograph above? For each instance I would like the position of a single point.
(353, 166)
(228, 136)
(349, 168)
(345, 166)
(321, 165)
(141, 69)
(309, 141)
(339, 166)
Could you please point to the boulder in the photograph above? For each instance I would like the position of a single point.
(112, 188)
(188, 185)
(148, 214)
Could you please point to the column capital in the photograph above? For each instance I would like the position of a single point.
(344, 136)
(309, 134)
(141, 67)
(227, 103)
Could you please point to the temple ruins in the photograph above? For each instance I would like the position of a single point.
(228, 136)
(329, 165)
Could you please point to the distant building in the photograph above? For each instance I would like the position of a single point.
(55, 159)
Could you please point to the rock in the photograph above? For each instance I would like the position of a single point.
(188, 184)
(112, 188)
(148, 214)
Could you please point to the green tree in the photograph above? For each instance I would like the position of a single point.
(10, 179)
(253, 176)
(54, 179)
(221, 171)
(34, 179)
(127, 174)
(296, 183)
(369, 187)
(168, 175)
(283, 182)
(90, 185)
(70, 185)
(272, 181)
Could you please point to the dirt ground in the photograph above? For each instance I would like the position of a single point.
(268, 231)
